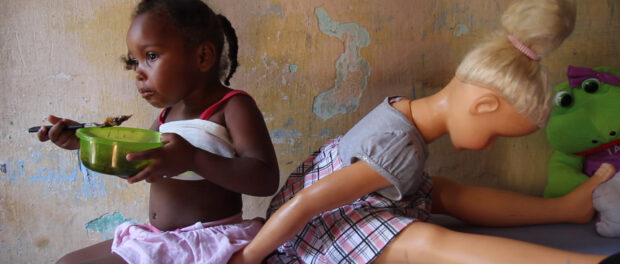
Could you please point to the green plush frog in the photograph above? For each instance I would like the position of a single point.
(584, 130)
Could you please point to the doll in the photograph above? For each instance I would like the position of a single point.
(364, 197)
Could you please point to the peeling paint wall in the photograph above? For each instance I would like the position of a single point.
(315, 68)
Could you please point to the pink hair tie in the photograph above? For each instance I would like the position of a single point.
(524, 49)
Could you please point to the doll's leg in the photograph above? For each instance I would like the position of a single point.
(493, 207)
(97, 253)
(428, 243)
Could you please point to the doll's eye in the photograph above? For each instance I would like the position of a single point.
(563, 99)
(590, 85)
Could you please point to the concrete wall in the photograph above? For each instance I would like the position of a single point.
(315, 67)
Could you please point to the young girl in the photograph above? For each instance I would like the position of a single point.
(217, 144)
(364, 196)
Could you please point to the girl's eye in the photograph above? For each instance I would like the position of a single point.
(590, 85)
(130, 63)
(563, 99)
(151, 56)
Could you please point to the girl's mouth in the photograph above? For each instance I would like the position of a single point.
(145, 92)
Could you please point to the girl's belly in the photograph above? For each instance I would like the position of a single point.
(176, 204)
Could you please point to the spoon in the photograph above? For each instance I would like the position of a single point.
(110, 121)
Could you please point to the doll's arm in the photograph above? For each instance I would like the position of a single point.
(564, 174)
(495, 207)
(341, 187)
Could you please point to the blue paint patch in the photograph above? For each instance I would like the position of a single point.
(289, 122)
(455, 12)
(55, 178)
(106, 224)
(326, 132)
(275, 9)
(336, 29)
(292, 68)
(51, 176)
(352, 70)
(93, 184)
(15, 170)
(461, 30)
(285, 136)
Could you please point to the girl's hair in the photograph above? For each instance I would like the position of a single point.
(542, 25)
(198, 24)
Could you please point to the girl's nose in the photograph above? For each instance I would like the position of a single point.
(140, 76)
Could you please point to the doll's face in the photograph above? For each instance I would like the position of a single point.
(475, 130)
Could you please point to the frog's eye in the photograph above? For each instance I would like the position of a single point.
(590, 85)
(563, 99)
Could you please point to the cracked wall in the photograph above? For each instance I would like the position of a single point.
(314, 68)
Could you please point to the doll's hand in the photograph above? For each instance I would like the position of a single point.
(63, 138)
(579, 201)
(174, 158)
(604, 172)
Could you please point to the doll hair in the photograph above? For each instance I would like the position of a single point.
(198, 24)
(508, 60)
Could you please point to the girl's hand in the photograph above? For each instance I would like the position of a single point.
(174, 158)
(63, 138)
(240, 258)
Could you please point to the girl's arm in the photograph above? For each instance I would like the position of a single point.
(254, 171)
(341, 187)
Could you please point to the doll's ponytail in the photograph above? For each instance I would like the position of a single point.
(509, 59)
(540, 25)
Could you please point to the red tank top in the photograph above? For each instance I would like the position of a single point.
(210, 110)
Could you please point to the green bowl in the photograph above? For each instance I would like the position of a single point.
(103, 149)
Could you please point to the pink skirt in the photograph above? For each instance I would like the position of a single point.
(213, 242)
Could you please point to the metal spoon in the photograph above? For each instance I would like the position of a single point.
(110, 121)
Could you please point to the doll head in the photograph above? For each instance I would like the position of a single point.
(478, 114)
(509, 60)
(197, 24)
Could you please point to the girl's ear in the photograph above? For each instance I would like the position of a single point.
(484, 104)
(206, 56)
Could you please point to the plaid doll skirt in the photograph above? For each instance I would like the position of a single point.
(353, 233)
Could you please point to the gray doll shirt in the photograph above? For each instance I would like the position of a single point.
(388, 142)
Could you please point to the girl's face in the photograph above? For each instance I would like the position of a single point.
(166, 68)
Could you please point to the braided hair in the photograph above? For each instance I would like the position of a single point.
(198, 24)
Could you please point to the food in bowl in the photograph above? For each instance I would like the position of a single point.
(103, 149)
